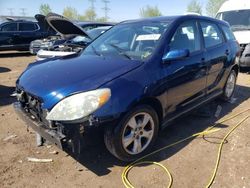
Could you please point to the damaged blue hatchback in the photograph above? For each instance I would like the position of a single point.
(131, 82)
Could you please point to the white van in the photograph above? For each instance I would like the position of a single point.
(237, 14)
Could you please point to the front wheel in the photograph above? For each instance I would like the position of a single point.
(135, 135)
(229, 87)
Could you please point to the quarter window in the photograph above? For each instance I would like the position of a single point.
(228, 33)
(9, 27)
(186, 37)
(27, 27)
(211, 33)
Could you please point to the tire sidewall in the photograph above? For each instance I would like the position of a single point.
(224, 91)
(118, 133)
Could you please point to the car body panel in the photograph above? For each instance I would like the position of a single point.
(172, 88)
(41, 80)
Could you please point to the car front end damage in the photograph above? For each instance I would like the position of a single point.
(67, 136)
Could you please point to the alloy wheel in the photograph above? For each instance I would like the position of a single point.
(138, 133)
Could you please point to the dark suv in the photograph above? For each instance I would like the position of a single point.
(17, 34)
(132, 81)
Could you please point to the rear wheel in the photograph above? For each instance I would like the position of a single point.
(230, 86)
(135, 135)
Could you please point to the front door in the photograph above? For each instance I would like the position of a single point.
(186, 78)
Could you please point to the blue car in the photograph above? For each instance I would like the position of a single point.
(130, 82)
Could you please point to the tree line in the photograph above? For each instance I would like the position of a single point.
(211, 7)
(71, 13)
(195, 6)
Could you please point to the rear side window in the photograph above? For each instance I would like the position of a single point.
(186, 37)
(27, 27)
(211, 33)
(228, 33)
(9, 27)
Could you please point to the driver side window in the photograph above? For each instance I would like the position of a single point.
(186, 37)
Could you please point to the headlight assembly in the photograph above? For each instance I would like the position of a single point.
(79, 105)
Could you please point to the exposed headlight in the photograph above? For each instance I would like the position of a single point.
(79, 105)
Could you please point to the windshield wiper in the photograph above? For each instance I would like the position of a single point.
(94, 50)
(120, 50)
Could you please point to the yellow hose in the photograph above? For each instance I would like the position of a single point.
(210, 130)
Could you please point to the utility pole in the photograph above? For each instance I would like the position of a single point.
(23, 13)
(105, 8)
(11, 11)
(92, 9)
(92, 4)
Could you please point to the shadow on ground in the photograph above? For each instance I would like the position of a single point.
(5, 98)
(98, 160)
(245, 70)
(4, 69)
(15, 54)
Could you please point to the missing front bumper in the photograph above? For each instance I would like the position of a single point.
(50, 135)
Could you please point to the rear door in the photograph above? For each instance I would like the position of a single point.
(28, 32)
(8, 34)
(217, 50)
(186, 77)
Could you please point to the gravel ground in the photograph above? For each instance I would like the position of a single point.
(191, 163)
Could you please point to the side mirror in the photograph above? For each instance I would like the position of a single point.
(175, 55)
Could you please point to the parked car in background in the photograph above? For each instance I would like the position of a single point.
(72, 46)
(237, 14)
(49, 42)
(17, 34)
(132, 81)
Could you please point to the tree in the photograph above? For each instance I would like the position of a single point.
(81, 17)
(213, 6)
(90, 14)
(194, 6)
(70, 13)
(44, 9)
(102, 19)
(150, 11)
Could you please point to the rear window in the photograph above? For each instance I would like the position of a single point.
(211, 33)
(228, 33)
(27, 26)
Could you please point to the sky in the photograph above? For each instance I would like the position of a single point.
(119, 9)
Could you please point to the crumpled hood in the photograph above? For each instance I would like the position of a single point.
(243, 37)
(52, 80)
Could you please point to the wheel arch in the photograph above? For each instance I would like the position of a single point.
(236, 69)
(153, 103)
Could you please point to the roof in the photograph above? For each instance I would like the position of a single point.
(16, 21)
(234, 5)
(176, 18)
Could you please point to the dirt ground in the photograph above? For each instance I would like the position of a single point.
(191, 163)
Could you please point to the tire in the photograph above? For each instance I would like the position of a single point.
(229, 87)
(124, 142)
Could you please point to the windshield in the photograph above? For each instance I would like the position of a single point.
(129, 40)
(94, 33)
(238, 19)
